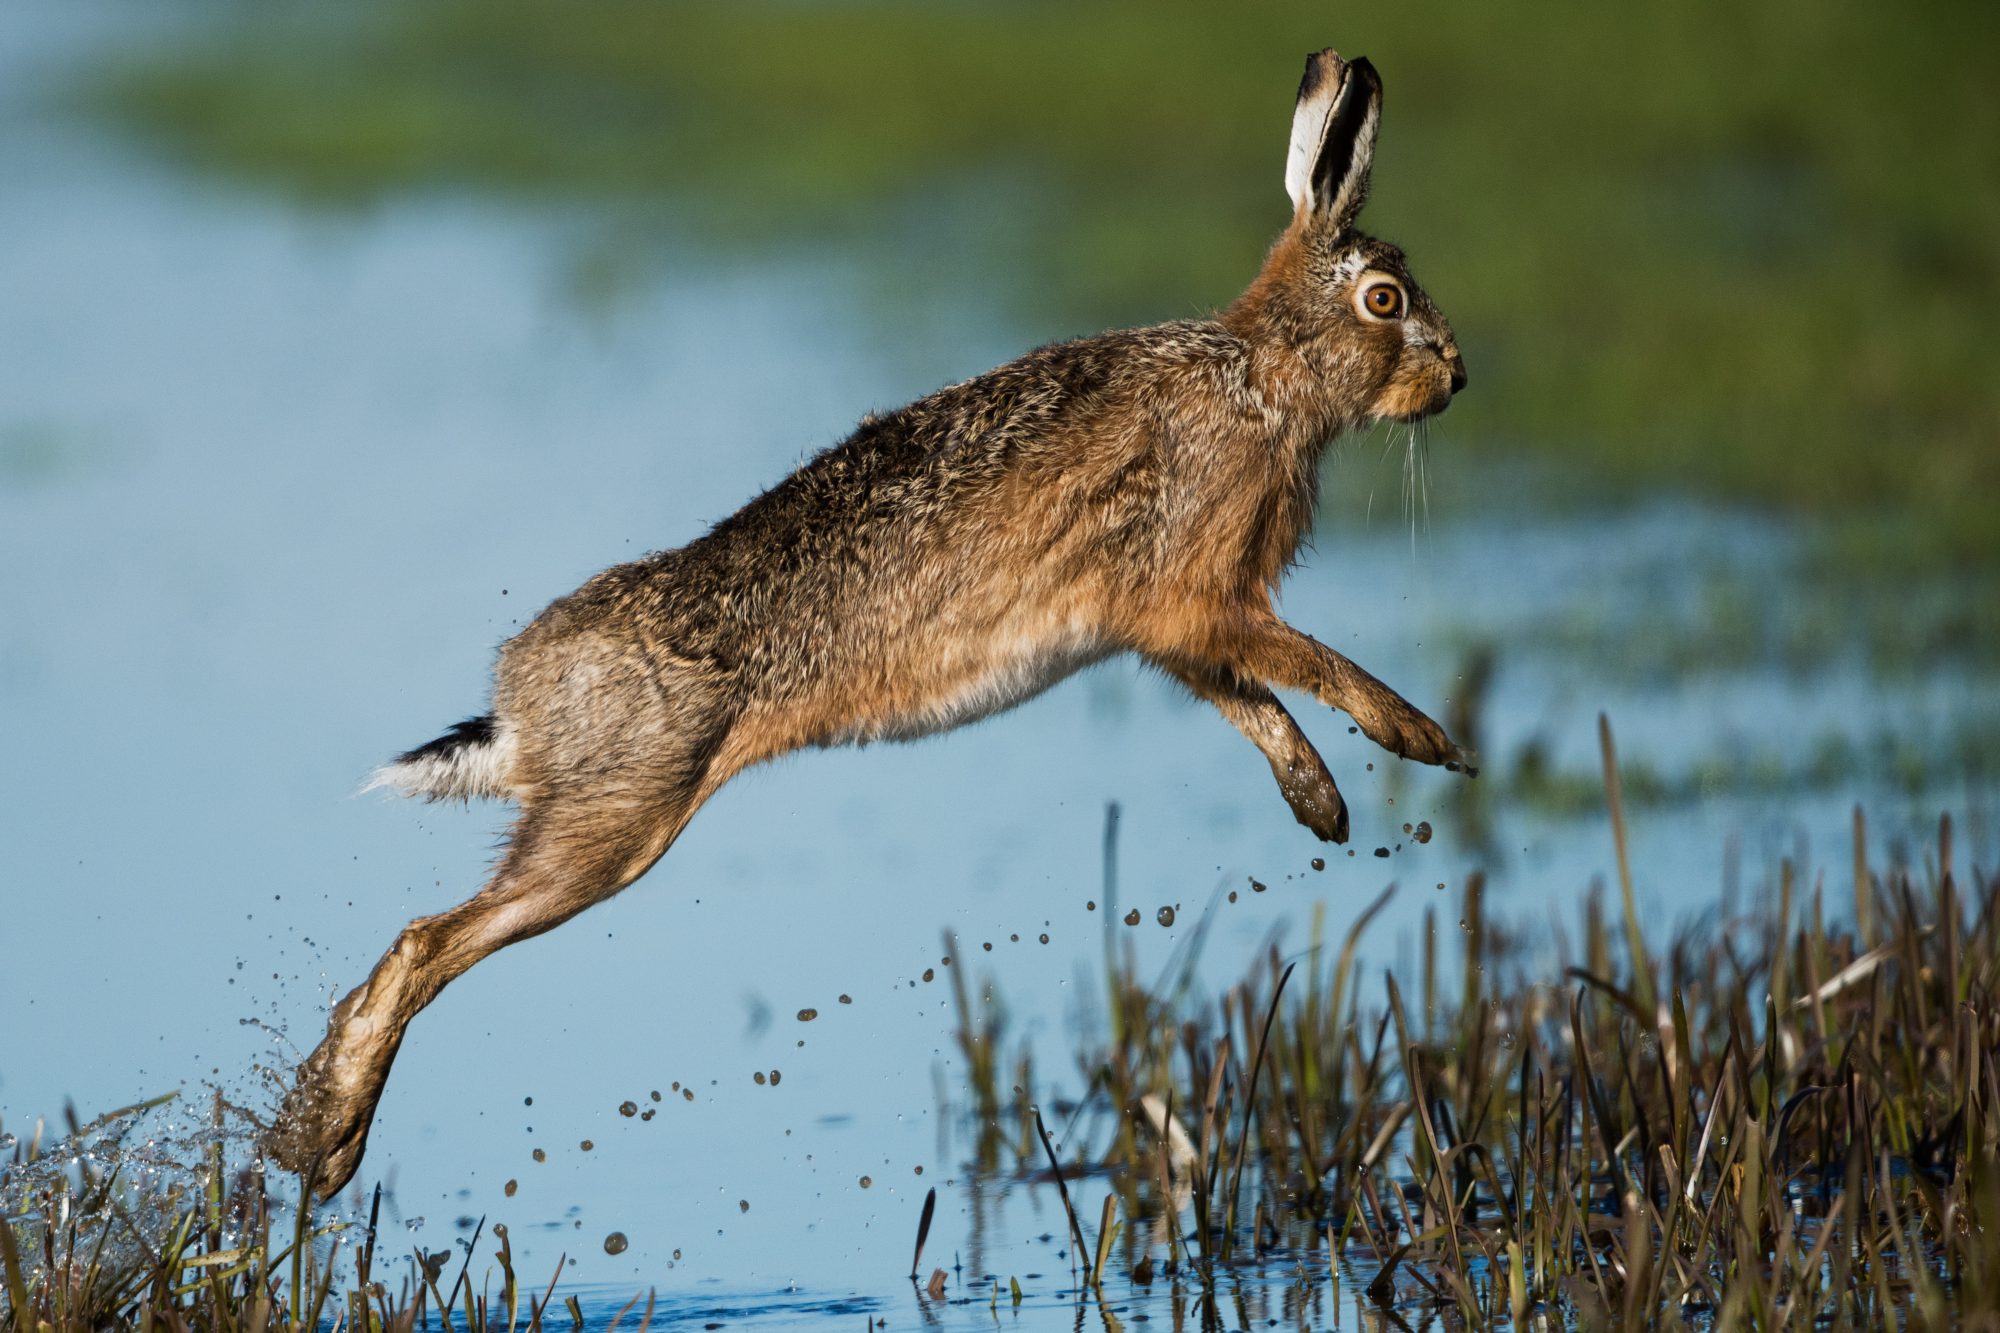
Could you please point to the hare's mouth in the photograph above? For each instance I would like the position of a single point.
(1417, 396)
(1408, 404)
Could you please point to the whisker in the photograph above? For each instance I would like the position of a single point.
(1424, 471)
(1409, 481)
(1389, 442)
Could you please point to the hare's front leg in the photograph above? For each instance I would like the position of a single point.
(1275, 652)
(1253, 710)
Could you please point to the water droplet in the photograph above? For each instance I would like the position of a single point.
(1045, 938)
(1319, 863)
(759, 1077)
(1166, 916)
(742, 1205)
(1382, 851)
(656, 1094)
(847, 999)
(541, 1156)
(511, 1186)
(920, 1170)
(808, 1015)
(930, 974)
(615, 1243)
(1232, 895)
(1257, 886)
(1423, 831)
(1090, 907)
(775, 1076)
(628, 1109)
(1132, 917)
(687, 1094)
(866, 1181)
(587, 1145)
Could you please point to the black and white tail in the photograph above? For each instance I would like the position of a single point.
(474, 758)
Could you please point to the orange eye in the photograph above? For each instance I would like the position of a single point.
(1384, 300)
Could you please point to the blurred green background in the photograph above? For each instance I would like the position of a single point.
(1749, 251)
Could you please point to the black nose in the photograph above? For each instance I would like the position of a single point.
(1456, 365)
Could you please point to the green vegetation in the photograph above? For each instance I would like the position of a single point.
(1773, 1122)
(116, 1225)
(1747, 250)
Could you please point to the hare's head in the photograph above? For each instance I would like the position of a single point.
(1345, 301)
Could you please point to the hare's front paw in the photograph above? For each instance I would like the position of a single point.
(1318, 805)
(1403, 730)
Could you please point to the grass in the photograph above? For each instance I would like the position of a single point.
(1773, 1119)
(114, 1227)
(1743, 250)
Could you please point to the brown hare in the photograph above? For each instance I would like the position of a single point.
(1141, 491)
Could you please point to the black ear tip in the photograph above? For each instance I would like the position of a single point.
(1317, 65)
(1364, 69)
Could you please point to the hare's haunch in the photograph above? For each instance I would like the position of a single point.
(1138, 492)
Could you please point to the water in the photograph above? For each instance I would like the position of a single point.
(273, 484)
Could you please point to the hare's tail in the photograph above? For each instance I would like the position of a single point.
(474, 758)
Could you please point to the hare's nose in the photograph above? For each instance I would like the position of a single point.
(1454, 363)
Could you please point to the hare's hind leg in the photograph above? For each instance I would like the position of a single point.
(569, 850)
(1253, 710)
(1275, 652)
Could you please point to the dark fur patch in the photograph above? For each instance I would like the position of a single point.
(1336, 158)
(1309, 82)
(463, 735)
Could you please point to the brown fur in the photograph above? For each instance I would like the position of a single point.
(1142, 491)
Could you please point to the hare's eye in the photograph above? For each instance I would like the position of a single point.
(1384, 300)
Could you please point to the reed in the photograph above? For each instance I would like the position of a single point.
(1774, 1119)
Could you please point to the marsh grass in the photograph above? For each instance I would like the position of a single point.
(1782, 1118)
(128, 1224)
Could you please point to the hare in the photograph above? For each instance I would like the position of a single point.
(1142, 492)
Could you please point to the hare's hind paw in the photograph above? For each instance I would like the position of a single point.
(320, 1133)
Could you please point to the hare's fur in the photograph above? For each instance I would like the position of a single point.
(1141, 491)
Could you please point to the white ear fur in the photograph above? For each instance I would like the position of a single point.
(1333, 137)
(1319, 92)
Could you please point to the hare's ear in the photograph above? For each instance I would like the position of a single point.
(1333, 138)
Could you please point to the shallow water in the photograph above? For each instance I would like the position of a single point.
(273, 484)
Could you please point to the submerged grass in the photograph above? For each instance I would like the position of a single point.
(1744, 249)
(1769, 1120)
